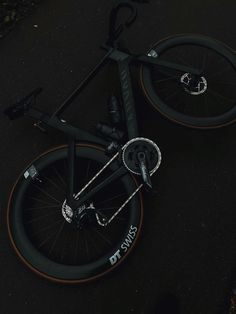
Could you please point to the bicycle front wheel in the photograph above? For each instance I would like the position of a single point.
(206, 101)
(43, 235)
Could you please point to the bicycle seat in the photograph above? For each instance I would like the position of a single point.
(22, 106)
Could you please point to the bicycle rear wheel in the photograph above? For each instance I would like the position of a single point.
(52, 246)
(208, 103)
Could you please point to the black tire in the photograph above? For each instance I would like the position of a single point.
(60, 251)
(214, 107)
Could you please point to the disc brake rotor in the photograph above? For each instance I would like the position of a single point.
(193, 88)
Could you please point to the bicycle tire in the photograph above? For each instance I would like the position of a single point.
(28, 249)
(224, 52)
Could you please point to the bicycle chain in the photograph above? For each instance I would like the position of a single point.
(104, 223)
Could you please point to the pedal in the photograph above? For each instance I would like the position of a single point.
(146, 178)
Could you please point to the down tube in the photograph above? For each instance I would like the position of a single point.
(128, 99)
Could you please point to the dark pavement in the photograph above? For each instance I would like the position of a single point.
(186, 254)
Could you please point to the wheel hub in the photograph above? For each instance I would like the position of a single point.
(193, 85)
(69, 214)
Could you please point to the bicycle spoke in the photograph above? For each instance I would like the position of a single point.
(103, 237)
(45, 241)
(224, 83)
(64, 247)
(45, 193)
(59, 176)
(173, 94)
(47, 227)
(56, 238)
(76, 246)
(219, 95)
(38, 200)
(205, 104)
(41, 207)
(162, 89)
(93, 242)
(183, 61)
(86, 248)
(41, 217)
(219, 72)
(54, 184)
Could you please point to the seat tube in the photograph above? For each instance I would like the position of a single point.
(128, 99)
(71, 155)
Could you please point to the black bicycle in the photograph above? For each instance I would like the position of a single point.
(76, 211)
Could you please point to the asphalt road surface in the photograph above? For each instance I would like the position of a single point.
(185, 259)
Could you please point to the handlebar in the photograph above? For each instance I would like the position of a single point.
(114, 30)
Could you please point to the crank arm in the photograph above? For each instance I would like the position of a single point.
(144, 171)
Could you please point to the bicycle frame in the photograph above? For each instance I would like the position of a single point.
(123, 61)
(54, 120)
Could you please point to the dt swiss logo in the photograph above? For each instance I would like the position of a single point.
(115, 257)
(124, 246)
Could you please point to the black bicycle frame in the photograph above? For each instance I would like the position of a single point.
(54, 120)
(123, 60)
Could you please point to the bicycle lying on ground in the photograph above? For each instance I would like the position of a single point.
(76, 211)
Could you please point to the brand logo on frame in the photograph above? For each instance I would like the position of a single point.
(126, 95)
